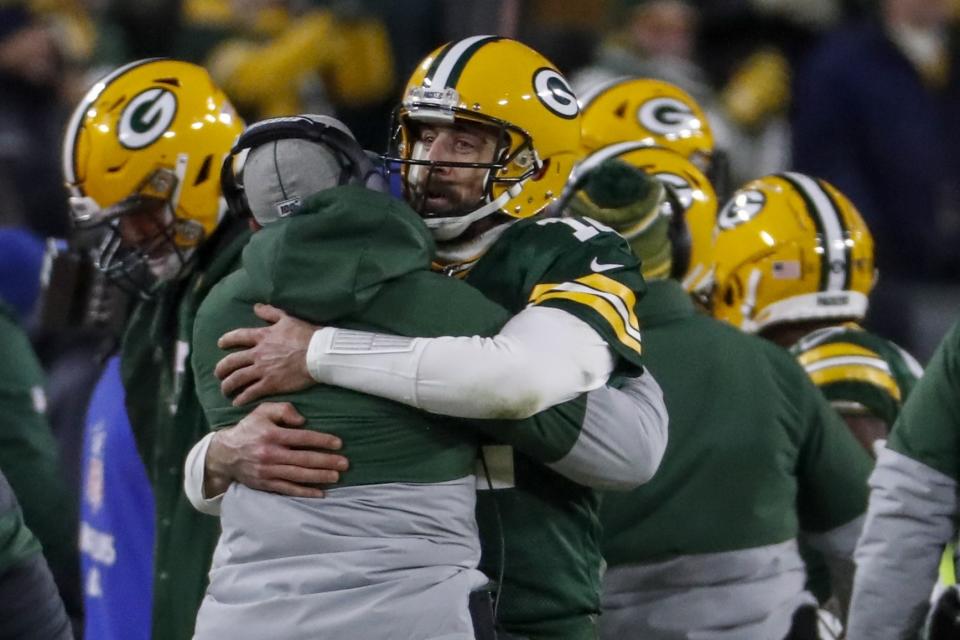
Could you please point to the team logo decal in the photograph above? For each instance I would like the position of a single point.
(667, 116)
(743, 207)
(554, 92)
(146, 118)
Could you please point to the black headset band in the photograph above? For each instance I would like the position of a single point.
(358, 165)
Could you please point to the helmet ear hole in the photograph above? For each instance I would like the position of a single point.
(542, 171)
(204, 174)
(729, 293)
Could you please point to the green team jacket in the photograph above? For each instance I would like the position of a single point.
(167, 421)
(928, 428)
(755, 452)
(29, 456)
(17, 542)
(540, 531)
(361, 260)
(913, 505)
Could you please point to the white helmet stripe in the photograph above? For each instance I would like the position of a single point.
(849, 361)
(76, 119)
(593, 93)
(835, 260)
(600, 156)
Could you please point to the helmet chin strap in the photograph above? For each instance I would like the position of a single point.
(750, 302)
(445, 229)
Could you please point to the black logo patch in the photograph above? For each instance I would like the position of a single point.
(833, 300)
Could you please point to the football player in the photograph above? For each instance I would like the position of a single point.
(484, 140)
(794, 263)
(657, 113)
(711, 526)
(142, 154)
(686, 188)
(913, 514)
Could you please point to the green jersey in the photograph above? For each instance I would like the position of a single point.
(857, 370)
(540, 532)
(167, 420)
(29, 455)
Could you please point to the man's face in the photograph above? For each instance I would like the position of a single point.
(444, 190)
(148, 229)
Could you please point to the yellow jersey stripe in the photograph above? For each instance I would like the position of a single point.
(615, 298)
(833, 350)
(854, 373)
(602, 306)
(622, 291)
(627, 299)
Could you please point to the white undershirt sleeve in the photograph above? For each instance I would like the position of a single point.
(193, 479)
(623, 437)
(540, 358)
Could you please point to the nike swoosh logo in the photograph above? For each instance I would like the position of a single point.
(597, 267)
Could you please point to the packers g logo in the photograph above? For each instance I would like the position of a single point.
(146, 118)
(555, 94)
(667, 116)
(743, 207)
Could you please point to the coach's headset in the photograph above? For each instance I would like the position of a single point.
(356, 166)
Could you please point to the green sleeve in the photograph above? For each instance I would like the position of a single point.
(16, 541)
(928, 429)
(832, 468)
(29, 453)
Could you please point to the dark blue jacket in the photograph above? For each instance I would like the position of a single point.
(865, 121)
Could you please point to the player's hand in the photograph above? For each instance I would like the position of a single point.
(273, 359)
(266, 451)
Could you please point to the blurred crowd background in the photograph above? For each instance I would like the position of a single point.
(788, 84)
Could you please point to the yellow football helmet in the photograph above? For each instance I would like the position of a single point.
(509, 88)
(789, 248)
(149, 137)
(647, 110)
(691, 233)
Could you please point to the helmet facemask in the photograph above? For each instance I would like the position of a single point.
(512, 162)
(147, 243)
